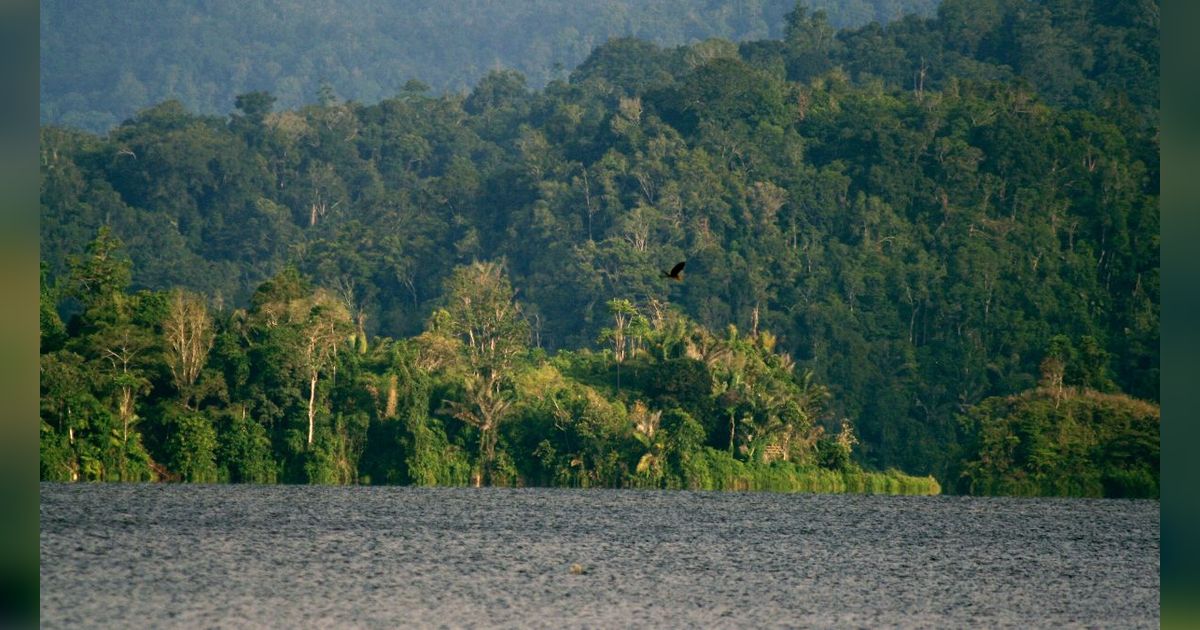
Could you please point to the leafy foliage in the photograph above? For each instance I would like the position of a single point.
(1069, 443)
(371, 414)
(887, 225)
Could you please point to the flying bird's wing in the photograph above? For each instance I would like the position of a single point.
(676, 269)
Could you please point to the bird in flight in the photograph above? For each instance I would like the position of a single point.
(675, 272)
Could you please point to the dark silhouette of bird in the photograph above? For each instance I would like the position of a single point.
(675, 272)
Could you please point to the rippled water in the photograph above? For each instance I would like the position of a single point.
(296, 556)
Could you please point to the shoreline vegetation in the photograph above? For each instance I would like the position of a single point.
(715, 470)
(467, 402)
(930, 246)
(718, 471)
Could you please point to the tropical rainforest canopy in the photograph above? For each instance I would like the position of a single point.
(928, 246)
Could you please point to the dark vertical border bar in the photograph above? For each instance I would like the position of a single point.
(1180, 215)
(18, 315)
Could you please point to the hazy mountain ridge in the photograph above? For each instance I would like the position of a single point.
(103, 61)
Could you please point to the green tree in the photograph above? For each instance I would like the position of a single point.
(193, 446)
(482, 313)
(188, 336)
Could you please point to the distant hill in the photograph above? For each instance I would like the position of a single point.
(103, 61)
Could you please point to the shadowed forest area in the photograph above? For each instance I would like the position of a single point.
(929, 246)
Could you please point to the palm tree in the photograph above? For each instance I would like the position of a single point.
(484, 407)
(645, 431)
(730, 392)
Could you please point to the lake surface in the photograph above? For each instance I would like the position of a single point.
(299, 556)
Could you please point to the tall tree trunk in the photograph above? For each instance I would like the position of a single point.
(312, 408)
(126, 408)
(483, 458)
(487, 450)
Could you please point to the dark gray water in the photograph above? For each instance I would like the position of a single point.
(236, 556)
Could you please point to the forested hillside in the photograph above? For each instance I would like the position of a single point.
(918, 215)
(103, 60)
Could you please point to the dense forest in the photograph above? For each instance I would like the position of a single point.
(99, 66)
(152, 386)
(929, 246)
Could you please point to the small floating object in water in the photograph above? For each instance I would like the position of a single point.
(577, 569)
